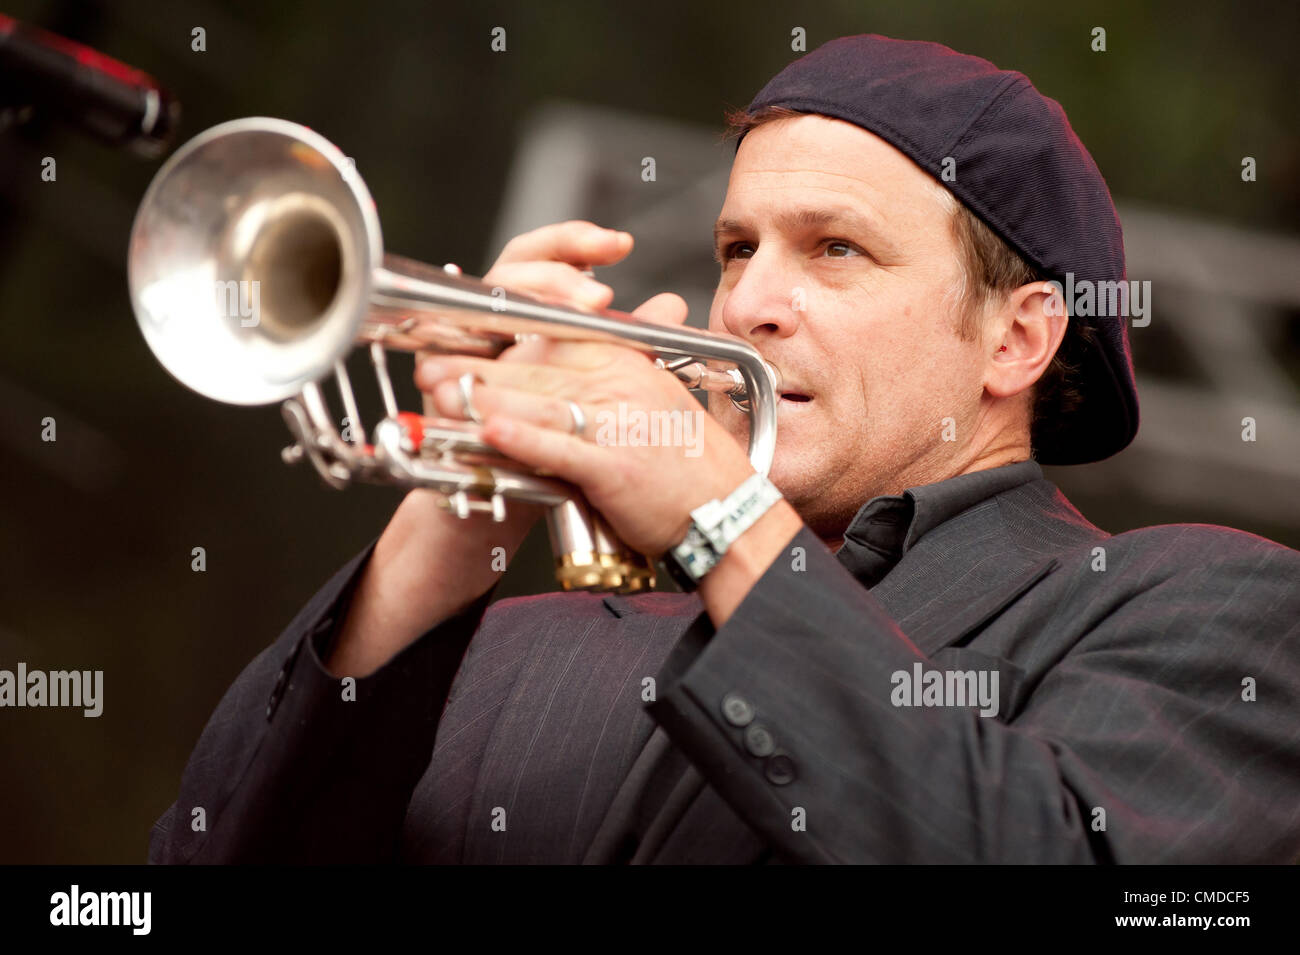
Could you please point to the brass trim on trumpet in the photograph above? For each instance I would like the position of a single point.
(585, 570)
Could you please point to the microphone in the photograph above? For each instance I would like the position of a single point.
(111, 101)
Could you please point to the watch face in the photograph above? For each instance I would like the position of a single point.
(693, 557)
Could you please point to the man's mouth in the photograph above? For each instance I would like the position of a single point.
(789, 392)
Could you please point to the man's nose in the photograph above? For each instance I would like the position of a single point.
(766, 302)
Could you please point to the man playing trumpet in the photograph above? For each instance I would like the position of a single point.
(906, 646)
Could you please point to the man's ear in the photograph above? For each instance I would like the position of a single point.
(1022, 337)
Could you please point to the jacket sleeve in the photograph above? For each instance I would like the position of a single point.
(296, 765)
(1150, 715)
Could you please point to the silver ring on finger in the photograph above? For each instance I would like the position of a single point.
(579, 420)
(466, 384)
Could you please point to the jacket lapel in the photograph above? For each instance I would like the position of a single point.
(957, 578)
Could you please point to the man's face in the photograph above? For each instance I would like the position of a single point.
(840, 266)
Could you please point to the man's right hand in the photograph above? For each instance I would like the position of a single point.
(429, 565)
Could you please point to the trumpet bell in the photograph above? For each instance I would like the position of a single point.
(251, 260)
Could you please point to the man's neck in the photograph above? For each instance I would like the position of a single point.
(984, 462)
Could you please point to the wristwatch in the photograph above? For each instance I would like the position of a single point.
(715, 526)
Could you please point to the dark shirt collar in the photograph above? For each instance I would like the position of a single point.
(887, 526)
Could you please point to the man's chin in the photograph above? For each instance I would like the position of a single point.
(798, 486)
(800, 482)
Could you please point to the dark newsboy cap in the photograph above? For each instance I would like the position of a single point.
(1018, 166)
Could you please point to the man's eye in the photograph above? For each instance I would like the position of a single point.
(839, 250)
(736, 250)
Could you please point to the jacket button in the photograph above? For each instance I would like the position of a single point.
(759, 741)
(737, 710)
(779, 769)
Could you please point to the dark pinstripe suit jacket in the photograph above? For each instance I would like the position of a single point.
(1147, 712)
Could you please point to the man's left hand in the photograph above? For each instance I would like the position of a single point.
(646, 491)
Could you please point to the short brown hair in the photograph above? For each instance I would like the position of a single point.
(990, 269)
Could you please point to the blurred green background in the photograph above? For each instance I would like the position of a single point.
(97, 528)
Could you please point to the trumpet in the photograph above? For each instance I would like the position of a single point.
(256, 265)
